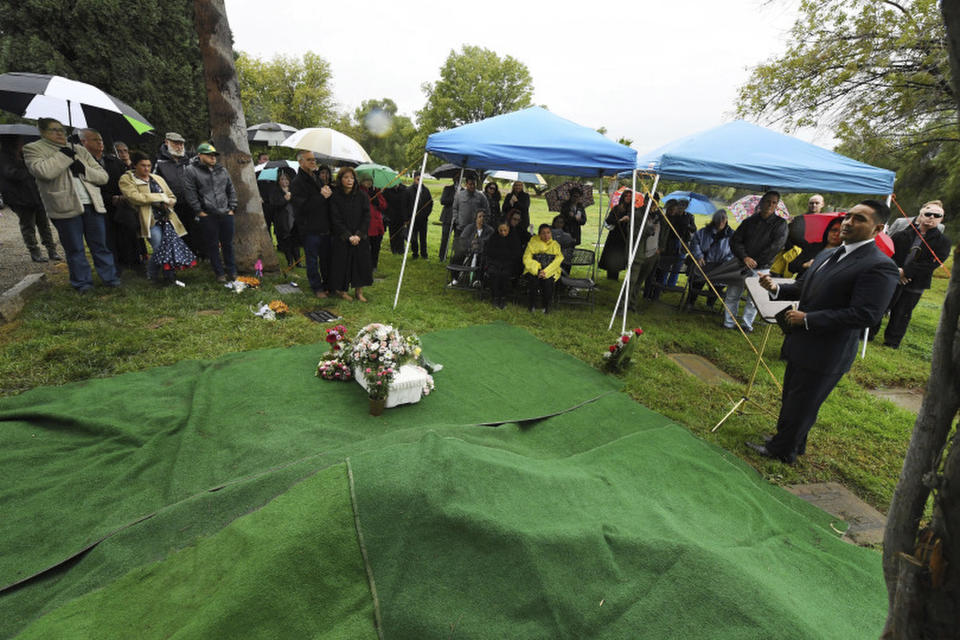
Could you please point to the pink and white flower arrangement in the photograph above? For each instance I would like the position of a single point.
(377, 351)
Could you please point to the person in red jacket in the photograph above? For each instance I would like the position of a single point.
(378, 204)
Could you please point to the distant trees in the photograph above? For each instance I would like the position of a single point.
(294, 91)
(147, 56)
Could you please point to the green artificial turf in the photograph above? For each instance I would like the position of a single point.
(603, 519)
(604, 522)
(292, 569)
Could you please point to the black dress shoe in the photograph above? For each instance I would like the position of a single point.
(766, 453)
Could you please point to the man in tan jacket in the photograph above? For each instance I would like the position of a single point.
(68, 179)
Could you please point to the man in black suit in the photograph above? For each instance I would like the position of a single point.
(843, 292)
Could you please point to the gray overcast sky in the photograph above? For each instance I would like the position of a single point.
(598, 65)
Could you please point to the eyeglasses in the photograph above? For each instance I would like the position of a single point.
(56, 129)
(932, 215)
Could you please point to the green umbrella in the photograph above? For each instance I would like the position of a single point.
(381, 175)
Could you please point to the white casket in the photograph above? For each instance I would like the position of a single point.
(406, 388)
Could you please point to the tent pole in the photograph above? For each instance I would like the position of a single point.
(636, 246)
(596, 247)
(629, 247)
(413, 219)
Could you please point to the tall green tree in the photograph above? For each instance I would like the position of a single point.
(144, 53)
(876, 73)
(294, 91)
(475, 84)
(868, 69)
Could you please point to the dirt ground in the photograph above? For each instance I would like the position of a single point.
(15, 262)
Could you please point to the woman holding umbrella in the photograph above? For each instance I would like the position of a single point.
(350, 224)
(153, 200)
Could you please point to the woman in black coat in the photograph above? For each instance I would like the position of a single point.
(350, 223)
(517, 199)
(277, 205)
(502, 253)
(492, 191)
(573, 214)
(614, 257)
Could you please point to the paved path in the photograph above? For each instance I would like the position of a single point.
(15, 260)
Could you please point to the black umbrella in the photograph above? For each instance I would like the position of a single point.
(77, 104)
(729, 272)
(448, 171)
(272, 133)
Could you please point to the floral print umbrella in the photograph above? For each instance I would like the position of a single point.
(557, 196)
(745, 206)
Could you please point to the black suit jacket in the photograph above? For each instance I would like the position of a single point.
(840, 303)
(920, 271)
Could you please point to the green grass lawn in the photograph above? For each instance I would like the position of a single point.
(858, 440)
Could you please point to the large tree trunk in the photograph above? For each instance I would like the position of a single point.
(228, 128)
(922, 567)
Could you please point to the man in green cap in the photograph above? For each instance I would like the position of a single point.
(211, 195)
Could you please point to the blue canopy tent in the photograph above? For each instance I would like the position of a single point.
(742, 154)
(534, 140)
(531, 139)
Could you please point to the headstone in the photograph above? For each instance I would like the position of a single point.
(702, 368)
(287, 288)
(866, 523)
(322, 315)
(904, 398)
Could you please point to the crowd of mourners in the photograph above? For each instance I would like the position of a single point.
(183, 204)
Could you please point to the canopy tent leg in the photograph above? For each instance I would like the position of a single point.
(596, 247)
(406, 250)
(624, 288)
(630, 248)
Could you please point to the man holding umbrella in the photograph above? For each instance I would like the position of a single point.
(69, 181)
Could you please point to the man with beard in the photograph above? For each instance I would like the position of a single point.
(172, 160)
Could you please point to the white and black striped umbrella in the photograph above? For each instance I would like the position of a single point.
(272, 133)
(77, 104)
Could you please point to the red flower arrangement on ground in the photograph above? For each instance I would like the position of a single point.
(336, 335)
(617, 356)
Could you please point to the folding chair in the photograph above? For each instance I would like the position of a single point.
(579, 290)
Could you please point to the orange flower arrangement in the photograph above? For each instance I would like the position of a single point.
(279, 307)
(247, 280)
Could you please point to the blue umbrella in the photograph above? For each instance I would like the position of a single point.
(698, 204)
